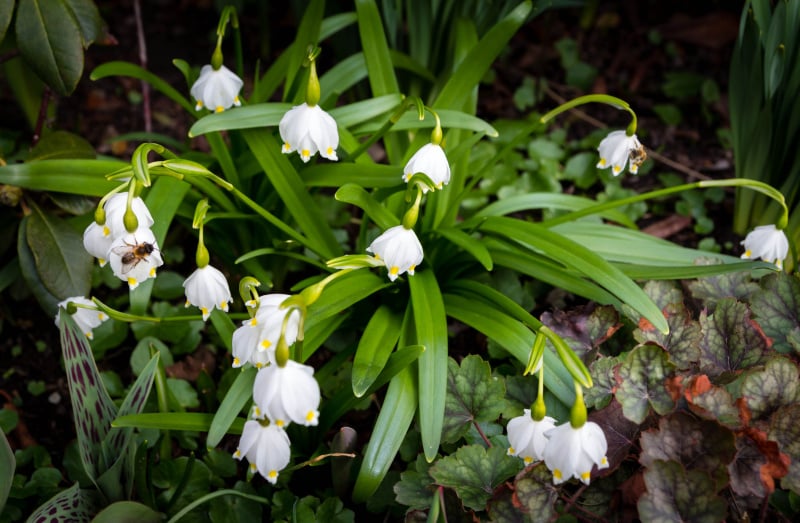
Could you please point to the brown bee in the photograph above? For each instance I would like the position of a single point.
(637, 156)
(132, 253)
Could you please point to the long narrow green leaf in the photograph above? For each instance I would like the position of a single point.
(364, 175)
(191, 421)
(512, 336)
(235, 399)
(355, 195)
(374, 348)
(430, 323)
(580, 259)
(293, 193)
(247, 117)
(569, 202)
(135, 71)
(390, 429)
(469, 73)
(85, 177)
(307, 35)
(342, 293)
(450, 120)
(472, 245)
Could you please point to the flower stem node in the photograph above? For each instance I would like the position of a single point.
(207, 289)
(399, 249)
(308, 129)
(85, 313)
(619, 149)
(217, 89)
(768, 243)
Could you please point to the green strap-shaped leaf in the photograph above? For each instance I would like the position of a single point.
(472, 245)
(6, 10)
(430, 323)
(191, 421)
(374, 348)
(85, 177)
(512, 336)
(235, 399)
(568, 202)
(73, 505)
(134, 71)
(580, 259)
(480, 58)
(92, 408)
(390, 429)
(247, 117)
(356, 195)
(450, 120)
(307, 35)
(293, 193)
(364, 175)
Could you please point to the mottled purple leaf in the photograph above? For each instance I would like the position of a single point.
(92, 407)
(621, 434)
(663, 292)
(785, 429)
(777, 308)
(732, 341)
(643, 375)
(584, 328)
(682, 340)
(677, 494)
(604, 382)
(745, 469)
(711, 289)
(536, 493)
(774, 386)
(711, 402)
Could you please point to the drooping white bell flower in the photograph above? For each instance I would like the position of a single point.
(217, 89)
(399, 249)
(86, 319)
(768, 243)
(115, 214)
(97, 241)
(431, 161)
(246, 347)
(270, 318)
(526, 437)
(135, 256)
(572, 452)
(308, 129)
(266, 447)
(288, 394)
(618, 149)
(207, 288)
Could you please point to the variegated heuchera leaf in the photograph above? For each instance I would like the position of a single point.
(91, 405)
(643, 376)
(682, 340)
(732, 340)
(785, 429)
(714, 288)
(773, 387)
(777, 308)
(676, 494)
(536, 493)
(473, 395)
(602, 370)
(584, 328)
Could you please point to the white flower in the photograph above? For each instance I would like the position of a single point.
(266, 448)
(255, 341)
(571, 452)
(526, 437)
(768, 243)
(431, 161)
(97, 241)
(288, 393)
(617, 148)
(115, 214)
(308, 129)
(207, 288)
(216, 89)
(399, 249)
(134, 257)
(86, 319)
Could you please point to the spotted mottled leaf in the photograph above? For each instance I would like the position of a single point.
(473, 395)
(777, 308)
(731, 341)
(643, 374)
(694, 443)
(584, 328)
(785, 429)
(711, 289)
(474, 472)
(536, 494)
(773, 387)
(604, 382)
(73, 505)
(682, 340)
(92, 407)
(663, 292)
(677, 494)
(711, 402)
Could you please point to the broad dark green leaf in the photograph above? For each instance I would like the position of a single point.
(73, 505)
(49, 38)
(775, 386)
(6, 10)
(64, 266)
(31, 276)
(732, 341)
(430, 324)
(473, 396)
(61, 145)
(235, 399)
(643, 376)
(676, 494)
(474, 472)
(415, 487)
(128, 512)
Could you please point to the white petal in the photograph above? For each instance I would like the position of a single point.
(430, 160)
(142, 267)
(399, 249)
(309, 130)
(207, 289)
(217, 89)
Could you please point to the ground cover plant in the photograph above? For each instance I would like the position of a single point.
(343, 295)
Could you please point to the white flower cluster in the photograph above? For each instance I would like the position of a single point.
(87, 316)
(281, 394)
(133, 256)
(567, 451)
